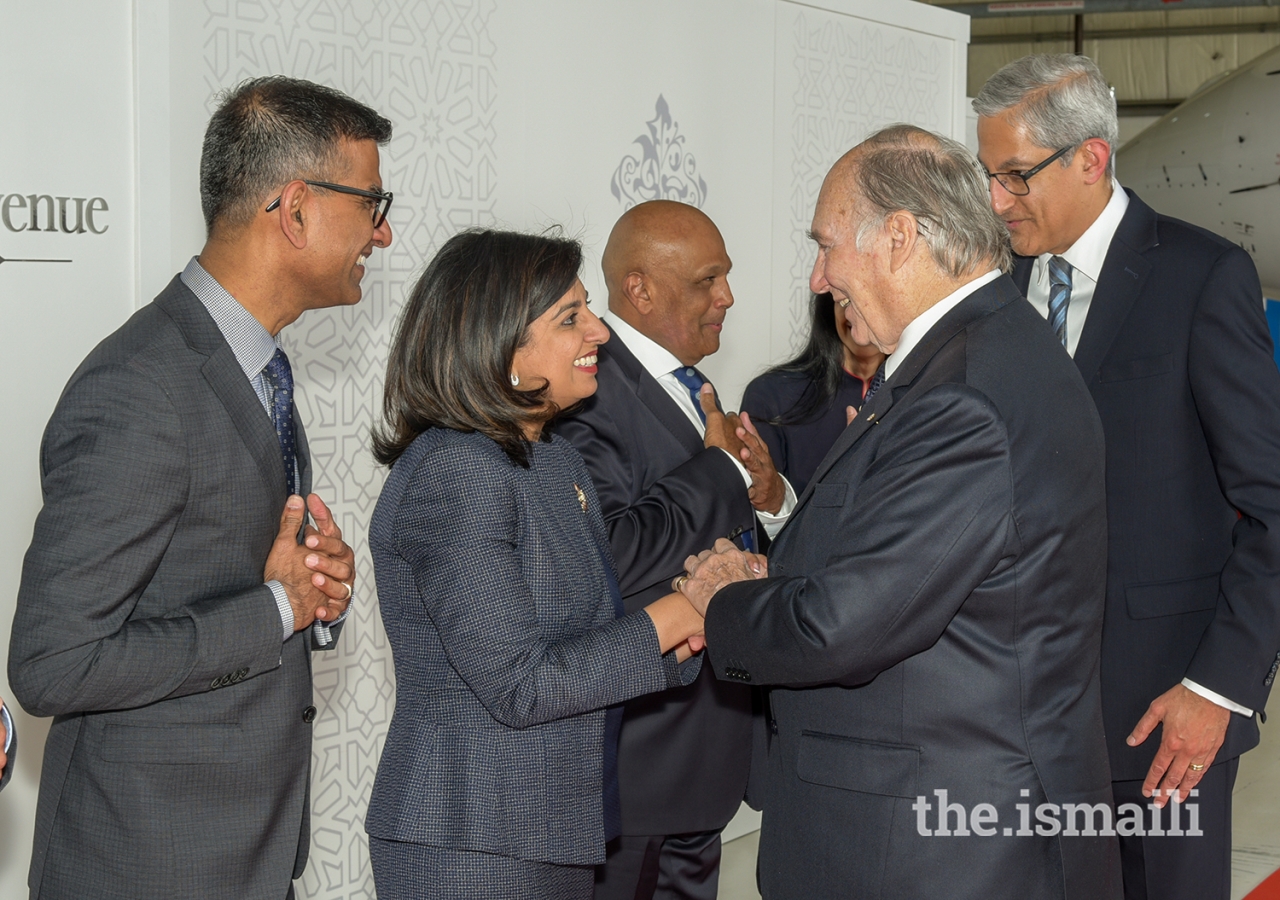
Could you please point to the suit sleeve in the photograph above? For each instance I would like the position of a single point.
(1236, 387)
(680, 514)
(115, 482)
(459, 534)
(927, 524)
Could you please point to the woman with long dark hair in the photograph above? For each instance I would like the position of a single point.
(800, 407)
(497, 588)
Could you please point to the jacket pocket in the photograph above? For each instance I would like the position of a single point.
(871, 767)
(172, 745)
(828, 494)
(1142, 367)
(1171, 598)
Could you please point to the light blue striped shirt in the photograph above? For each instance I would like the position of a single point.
(253, 347)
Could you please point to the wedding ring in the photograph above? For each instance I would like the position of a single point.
(348, 587)
(1196, 767)
(679, 585)
(844, 304)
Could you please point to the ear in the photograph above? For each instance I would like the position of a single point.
(293, 213)
(638, 291)
(1095, 154)
(903, 231)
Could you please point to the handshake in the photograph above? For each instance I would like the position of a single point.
(707, 573)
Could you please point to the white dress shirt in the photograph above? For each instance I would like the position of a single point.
(661, 363)
(1086, 257)
(920, 325)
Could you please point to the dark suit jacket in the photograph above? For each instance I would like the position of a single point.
(178, 761)
(493, 587)
(685, 754)
(933, 619)
(1177, 355)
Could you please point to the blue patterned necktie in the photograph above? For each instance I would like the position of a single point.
(280, 375)
(692, 379)
(876, 380)
(1059, 296)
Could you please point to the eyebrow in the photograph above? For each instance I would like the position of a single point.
(568, 306)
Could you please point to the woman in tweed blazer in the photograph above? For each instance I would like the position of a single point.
(497, 589)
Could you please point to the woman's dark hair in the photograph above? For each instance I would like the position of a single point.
(821, 362)
(452, 352)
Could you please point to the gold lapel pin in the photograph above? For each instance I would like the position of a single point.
(582, 498)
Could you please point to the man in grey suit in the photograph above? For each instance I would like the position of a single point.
(172, 595)
(932, 614)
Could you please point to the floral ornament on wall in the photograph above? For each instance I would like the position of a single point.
(664, 170)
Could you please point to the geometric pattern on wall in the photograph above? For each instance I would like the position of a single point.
(428, 65)
(851, 78)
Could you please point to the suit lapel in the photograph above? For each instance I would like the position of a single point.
(1123, 274)
(984, 301)
(654, 396)
(227, 380)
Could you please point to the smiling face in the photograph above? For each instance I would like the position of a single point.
(559, 350)
(1062, 202)
(689, 290)
(342, 235)
(856, 280)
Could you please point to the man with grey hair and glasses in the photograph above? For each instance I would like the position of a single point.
(1165, 323)
(173, 592)
(930, 616)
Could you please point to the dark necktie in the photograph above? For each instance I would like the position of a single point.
(280, 375)
(692, 379)
(876, 380)
(1059, 296)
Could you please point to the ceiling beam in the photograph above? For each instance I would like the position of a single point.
(1116, 34)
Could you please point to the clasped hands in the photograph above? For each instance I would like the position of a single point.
(318, 575)
(709, 571)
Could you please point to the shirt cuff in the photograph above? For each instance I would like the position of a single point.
(772, 522)
(1213, 697)
(320, 630)
(285, 607)
(8, 727)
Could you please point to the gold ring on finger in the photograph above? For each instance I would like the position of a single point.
(1196, 767)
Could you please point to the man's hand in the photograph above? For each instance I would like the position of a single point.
(1194, 729)
(721, 428)
(317, 575)
(767, 492)
(712, 569)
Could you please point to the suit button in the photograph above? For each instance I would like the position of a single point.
(309, 714)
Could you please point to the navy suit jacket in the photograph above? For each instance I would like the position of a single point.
(684, 756)
(932, 622)
(507, 646)
(1178, 358)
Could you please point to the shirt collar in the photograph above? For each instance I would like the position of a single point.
(251, 343)
(1089, 251)
(921, 324)
(656, 359)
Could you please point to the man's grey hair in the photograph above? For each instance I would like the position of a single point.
(1061, 100)
(938, 181)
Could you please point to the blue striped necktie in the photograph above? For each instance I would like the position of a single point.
(1059, 296)
(876, 381)
(692, 379)
(280, 375)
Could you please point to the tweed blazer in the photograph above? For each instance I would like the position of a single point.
(507, 650)
(178, 761)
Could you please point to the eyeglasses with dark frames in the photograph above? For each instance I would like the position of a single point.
(380, 208)
(1016, 182)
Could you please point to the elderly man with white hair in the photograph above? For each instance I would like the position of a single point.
(931, 615)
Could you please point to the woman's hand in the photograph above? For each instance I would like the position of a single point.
(677, 623)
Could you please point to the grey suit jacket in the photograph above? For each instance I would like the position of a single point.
(493, 588)
(933, 620)
(177, 764)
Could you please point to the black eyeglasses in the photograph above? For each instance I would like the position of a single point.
(379, 209)
(1016, 182)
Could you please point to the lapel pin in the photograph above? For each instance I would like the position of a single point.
(582, 498)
